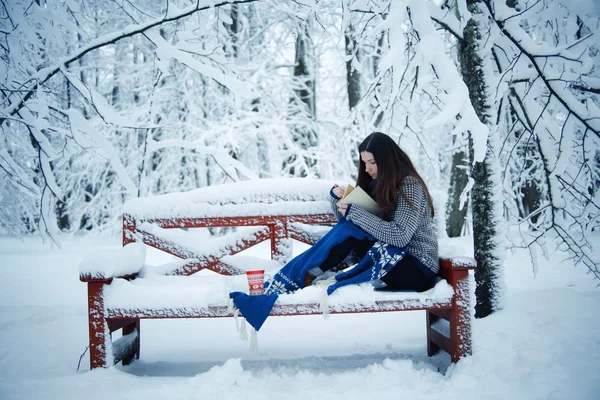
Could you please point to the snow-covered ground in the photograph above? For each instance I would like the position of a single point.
(545, 344)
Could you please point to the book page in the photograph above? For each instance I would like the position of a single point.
(356, 195)
(348, 190)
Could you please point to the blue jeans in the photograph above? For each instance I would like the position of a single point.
(406, 275)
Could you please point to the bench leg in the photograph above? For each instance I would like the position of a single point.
(432, 348)
(460, 317)
(134, 326)
(281, 244)
(98, 328)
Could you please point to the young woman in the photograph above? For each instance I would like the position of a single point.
(387, 174)
(396, 249)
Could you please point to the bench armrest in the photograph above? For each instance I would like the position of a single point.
(457, 263)
(456, 268)
(103, 266)
(101, 279)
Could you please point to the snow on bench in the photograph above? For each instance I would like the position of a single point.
(122, 289)
(198, 296)
(261, 197)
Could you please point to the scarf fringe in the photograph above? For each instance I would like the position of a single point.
(240, 326)
(236, 314)
(324, 303)
(253, 340)
(230, 305)
(242, 330)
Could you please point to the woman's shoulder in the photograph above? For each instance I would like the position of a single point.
(410, 180)
(411, 186)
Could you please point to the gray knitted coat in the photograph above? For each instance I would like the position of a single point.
(410, 227)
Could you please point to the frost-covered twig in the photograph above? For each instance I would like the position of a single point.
(45, 74)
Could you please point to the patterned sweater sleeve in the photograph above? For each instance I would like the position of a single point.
(332, 202)
(399, 231)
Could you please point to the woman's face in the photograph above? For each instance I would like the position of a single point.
(370, 164)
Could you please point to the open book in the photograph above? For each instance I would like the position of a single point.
(356, 195)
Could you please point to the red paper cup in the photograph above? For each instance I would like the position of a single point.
(256, 281)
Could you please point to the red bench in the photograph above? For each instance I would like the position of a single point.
(279, 230)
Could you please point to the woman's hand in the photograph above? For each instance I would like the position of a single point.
(342, 208)
(338, 191)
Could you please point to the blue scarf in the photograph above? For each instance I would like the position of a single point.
(376, 263)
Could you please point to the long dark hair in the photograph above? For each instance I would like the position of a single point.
(393, 165)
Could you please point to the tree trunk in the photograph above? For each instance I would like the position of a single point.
(459, 174)
(376, 60)
(455, 214)
(233, 29)
(304, 136)
(486, 201)
(303, 69)
(353, 76)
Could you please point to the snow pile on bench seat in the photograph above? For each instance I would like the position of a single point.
(106, 264)
(194, 292)
(258, 197)
(455, 251)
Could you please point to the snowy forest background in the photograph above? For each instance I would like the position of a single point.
(497, 103)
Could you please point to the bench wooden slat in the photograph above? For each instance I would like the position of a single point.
(280, 309)
(125, 347)
(204, 261)
(296, 232)
(441, 341)
(229, 221)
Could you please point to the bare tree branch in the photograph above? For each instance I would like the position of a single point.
(540, 71)
(45, 74)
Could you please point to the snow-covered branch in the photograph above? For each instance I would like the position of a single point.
(226, 162)
(538, 57)
(45, 74)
